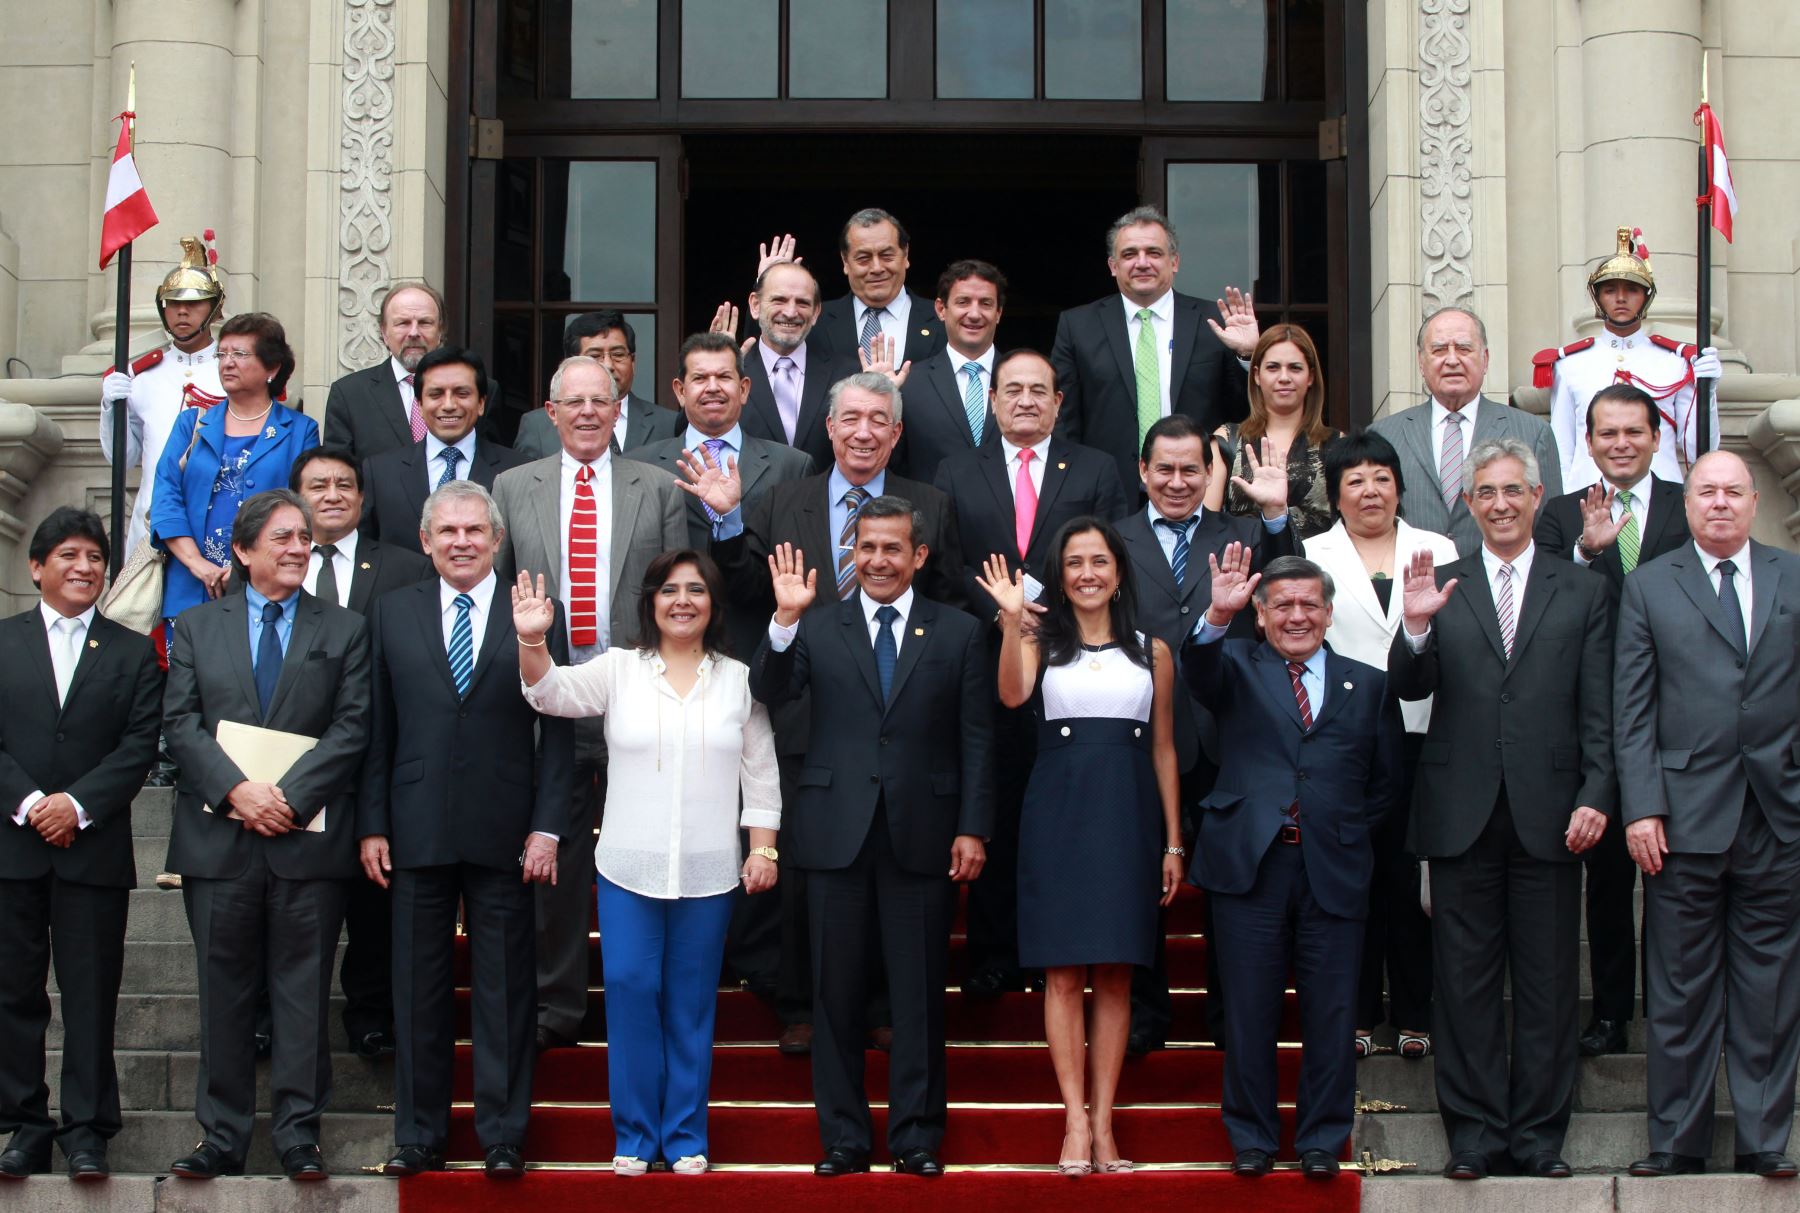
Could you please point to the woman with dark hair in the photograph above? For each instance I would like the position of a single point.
(683, 738)
(218, 458)
(1100, 837)
(1286, 423)
(1366, 552)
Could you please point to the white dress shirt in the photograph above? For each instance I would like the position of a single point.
(1312, 676)
(1439, 419)
(895, 316)
(343, 566)
(1162, 323)
(1491, 565)
(434, 457)
(1039, 451)
(1740, 580)
(1640, 509)
(675, 768)
(483, 594)
(602, 486)
(65, 655)
(401, 375)
(781, 637)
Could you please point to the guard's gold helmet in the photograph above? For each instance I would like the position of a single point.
(197, 277)
(1628, 264)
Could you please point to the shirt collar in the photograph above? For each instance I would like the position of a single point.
(572, 465)
(732, 438)
(1439, 412)
(1521, 564)
(209, 354)
(985, 360)
(1740, 559)
(1039, 449)
(399, 369)
(839, 484)
(346, 546)
(899, 307)
(903, 604)
(771, 356)
(1163, 309)
(482, 593)
(51, 615)
(1630, 341)
(434, 446)
(1640, 492)
(256, 601)
(1155, 515)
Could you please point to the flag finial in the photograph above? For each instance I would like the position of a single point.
(1703, 66)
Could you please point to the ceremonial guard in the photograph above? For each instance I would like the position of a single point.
(1622, 288)
(181, 375)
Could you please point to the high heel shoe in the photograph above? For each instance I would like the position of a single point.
(1074, 1166)
(1118, 1166)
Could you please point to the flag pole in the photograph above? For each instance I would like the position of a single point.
(122, 357)
(1703, 388)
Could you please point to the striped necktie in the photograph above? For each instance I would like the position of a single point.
(871, 329)
(1178, 559)
(462, 645)
(974, 401)
(1450, 460)
(1302, 700)
(1628, 533)
(584, 623)
(715, 447)
(846, 545)
(1149, 374)
(1503, 607)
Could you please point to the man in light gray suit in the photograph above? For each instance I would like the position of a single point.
(1707, 738)
(1434, 438)
(621, 515)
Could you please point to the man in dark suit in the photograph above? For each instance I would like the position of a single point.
(374, 410)
(1514, 781)
(790, 377)
(818, 514)
(330, 482)
(85, 700)
(453, 394)
(607, 337)
(1310, 762)
(1168, 542)
(876, 253)
(1707, 736)
(1433, 439)
(898, 783)
(458, 786)
(1630, 518)
(949, 407)
(265, 863)
(1011, 497)
(1132, 357)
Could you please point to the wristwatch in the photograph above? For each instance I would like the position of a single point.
(1181, 851)
(768, 853)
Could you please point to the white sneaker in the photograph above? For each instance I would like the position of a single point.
(690, 1164)
(624, 1164)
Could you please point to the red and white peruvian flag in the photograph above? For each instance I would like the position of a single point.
(128, 210)
(1718, 173)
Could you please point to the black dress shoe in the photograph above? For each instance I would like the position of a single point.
(796, 1040)
(85, 1166)
(1661, 1162)
(265, 1044)
(1252, 1163)
(1466, 1164)
(841, 1162)
(504, 1162)
(1142, 1042)
(1547, 1164)
(18, 1164)
(992, 983)
(1318, 1164)
(1603, 1036)
(411, 1160)
(303, 1162)
(206, 1162)
(1770, 1164)
(919, 1162)
(371, 1045)
(550, 1038)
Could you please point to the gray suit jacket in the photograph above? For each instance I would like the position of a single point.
(645, 422)
(1410, 432)
(1698, 717)
(647, 520)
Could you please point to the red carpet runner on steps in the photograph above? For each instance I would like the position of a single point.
(1005, 1122)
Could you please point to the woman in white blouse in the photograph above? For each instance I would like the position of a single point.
(1366, 551)
(683, 738)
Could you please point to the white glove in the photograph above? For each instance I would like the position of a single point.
(1707, 364)
(116, 386)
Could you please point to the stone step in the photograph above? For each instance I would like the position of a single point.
(151, 812)
(1597, 1141)
(1583, 1194)
(1613, 1083)
(159, 1080)
(150, 1141)
(154, 967)
(166, 1022)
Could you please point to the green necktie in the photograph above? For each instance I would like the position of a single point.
(1628, 534)
(1149, 381)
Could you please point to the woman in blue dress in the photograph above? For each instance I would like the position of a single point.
(1100, 835)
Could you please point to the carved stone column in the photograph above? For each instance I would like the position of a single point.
(1446, 154)
(365, 197)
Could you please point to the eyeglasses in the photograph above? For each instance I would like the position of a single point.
(236, 355)
(579, 402)
(1512, 492)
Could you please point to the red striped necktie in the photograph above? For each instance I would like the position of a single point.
(584, 625)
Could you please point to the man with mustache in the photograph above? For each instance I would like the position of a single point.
(377, 409)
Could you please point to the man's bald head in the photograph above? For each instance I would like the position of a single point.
(1721, 503)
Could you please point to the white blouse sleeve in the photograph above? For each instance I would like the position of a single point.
(579, 690)
(757, 772)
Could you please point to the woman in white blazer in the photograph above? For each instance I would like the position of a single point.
(1366, 552)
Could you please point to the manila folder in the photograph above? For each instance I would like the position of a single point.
(264, 756)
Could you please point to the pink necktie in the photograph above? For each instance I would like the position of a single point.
(415, 418)
(1024, 502)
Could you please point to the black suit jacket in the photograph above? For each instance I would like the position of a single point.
(397, 482)
(836, 330)
(364, 412)
(1077, 481)
(762, 417)
(1559, 529)
(381, 567)
(1538, 723)
(96, 747)
(1096, 371)
(458, 778)
(323, 692)
(927, 750)
(936, 423)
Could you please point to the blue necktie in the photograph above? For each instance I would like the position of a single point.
(974, 401)
(1179, 557)
(462, 645)
(268, 657)
(715, 447)
(451, 457)
(886, 653)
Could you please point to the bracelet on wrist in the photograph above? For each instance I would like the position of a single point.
(1181, 851)
(528, 644)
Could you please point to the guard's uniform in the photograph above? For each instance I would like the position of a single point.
(163, 383)
(1660, 366)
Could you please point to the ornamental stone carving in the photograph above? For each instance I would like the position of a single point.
(365, 199)
(1446, 212)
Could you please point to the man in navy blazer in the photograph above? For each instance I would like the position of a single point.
(1310, 754)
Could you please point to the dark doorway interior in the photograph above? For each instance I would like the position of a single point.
(1037, 206)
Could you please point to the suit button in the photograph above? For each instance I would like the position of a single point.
(1496, 743)
(463, 713)
(1745, 705)
(59, 736)
(874, 779)
(1184, 610)
(1065, 730)
(1506, 697)
(1746, 749)
(884, 741)
(1300, 775)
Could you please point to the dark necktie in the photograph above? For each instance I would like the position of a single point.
(1301, 699)
(462, 645)
(268, 657)
(1729, 606)
(886, 652)
(846, 544)
(326, 586)
(451, 457)
(1178, 559)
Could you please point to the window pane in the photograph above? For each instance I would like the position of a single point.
(1221, 50)
(985, 48)
(1224, 215)
(1093, 49)
(607, 49)
(600, 230)
(1308, 237)
(730, 48)
(520, 388)
(837, 48)
(1305, 30)
(518, 48)
(515, 217)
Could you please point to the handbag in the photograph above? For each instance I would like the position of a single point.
(135, 598)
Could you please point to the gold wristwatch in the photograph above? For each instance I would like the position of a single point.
(768, 853)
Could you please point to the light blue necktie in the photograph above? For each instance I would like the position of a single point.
(1178, 559)
(462, 645)
(886, 652)
(715, 447)
(451, 457)
(974, 400)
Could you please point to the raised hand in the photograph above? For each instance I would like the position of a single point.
(533, 611)
(880, 357)
(1598, 530)
(1232, 583)
(1008, 592)
(1240, 330)
(795, 585)
(1423, 597)
(777, 250)
(719, 487)
(725, 320)
(1268, 482)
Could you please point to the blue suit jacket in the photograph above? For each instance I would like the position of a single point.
(1344, 771)
(180, 502)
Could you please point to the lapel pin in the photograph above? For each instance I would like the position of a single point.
(924, 332)
(1349, 687)
(269, 433)
(918, 631)
(93, 644)
(1062, 467)
(365, 564)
